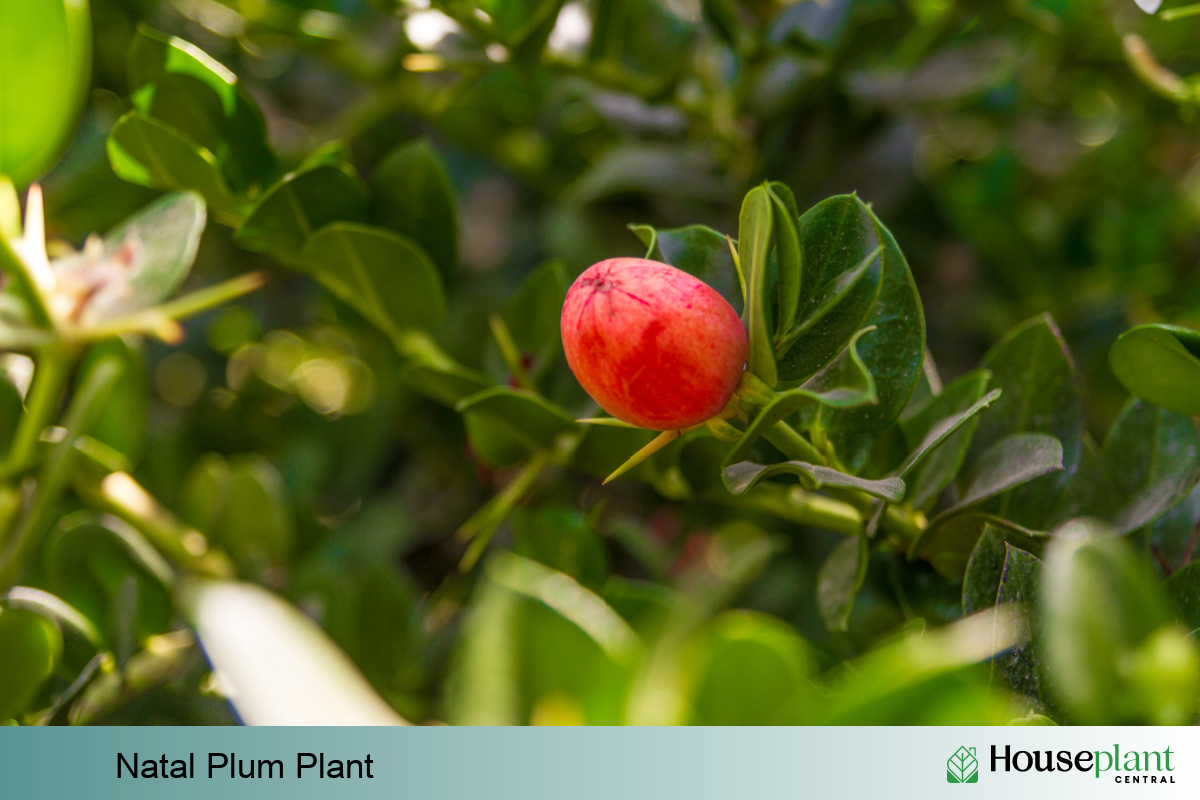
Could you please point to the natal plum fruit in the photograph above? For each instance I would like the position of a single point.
(653, 345)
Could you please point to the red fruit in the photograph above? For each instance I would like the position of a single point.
(653, 345)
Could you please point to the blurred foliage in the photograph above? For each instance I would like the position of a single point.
(384, 434)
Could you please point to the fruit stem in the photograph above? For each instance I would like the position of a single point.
(656, 444)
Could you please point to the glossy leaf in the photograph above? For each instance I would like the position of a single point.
(148, 152)
(182, 86)
(45, 61)
(839, 580)
(30, 646)
(836, 237)
(1159, 364)
(844, 383)
(940, 435)
(949, 544)
(1041, 396)
(411, 194)
(755, 233)
(1000, 573)
(700, 251)
(301, 203)
(895, 352)
(1149, 463)
(789, 267)
(278, 667)
(383, 276)
(740, 477)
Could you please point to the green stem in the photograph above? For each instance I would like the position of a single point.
(484, 523)
(793, 445)
(1179, 13)
(53, 477)
(123, 497)
(53, 369)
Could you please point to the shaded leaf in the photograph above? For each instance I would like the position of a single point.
(740, 477)
(700, 251)
(1032, 366)
(302, 202)
(1159, 364)
(940, 435)
(1149, 463)
(839, 580)
(411, 194)
(383, 276)
(755, 232)
(147, 152)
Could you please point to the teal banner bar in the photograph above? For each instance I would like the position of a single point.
(586, 763)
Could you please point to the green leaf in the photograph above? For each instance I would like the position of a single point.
(1158, 363)
(829, 299)
(1032, 366)
(383, 276)
(894, 354)
(532, 316)
(144, 151)
(302, 202)
(182, 86)
(124, 419)
(1183, 588)
(484, 686)
(1149, 463)
(442, 379)
(533, 418)
(788, 255)
(30, 646)
(927, 677)
(700, 251)
(1000, 573)
(740, 477)
(411, 194)
(53, 608)
(837, 236)
(940, 435)
(844, 383)
(754, 245)
(1104, 613)
(561, 593)
(242, 505)
(839, 580)
(89, 557)
(367, 608)
(1011, 462)
(564, 540)
(754, 670)
(142, 262)
(280, 668)
(45, 61)
(949, 544)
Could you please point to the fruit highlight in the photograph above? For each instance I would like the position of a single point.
(654, 346)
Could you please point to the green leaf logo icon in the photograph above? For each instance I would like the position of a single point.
(963, 767)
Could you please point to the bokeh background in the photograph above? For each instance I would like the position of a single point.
(1028, 155)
